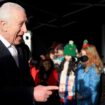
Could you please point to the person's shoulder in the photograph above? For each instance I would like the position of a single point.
(92, 69)
(80, 69)
(54, 71)
(23, 46)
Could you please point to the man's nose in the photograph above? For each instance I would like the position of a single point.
(24, 28)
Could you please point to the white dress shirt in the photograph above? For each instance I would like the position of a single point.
(11, 49)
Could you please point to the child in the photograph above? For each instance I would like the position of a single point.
(67, 76)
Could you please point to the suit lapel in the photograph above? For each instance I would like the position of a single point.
(4, 52)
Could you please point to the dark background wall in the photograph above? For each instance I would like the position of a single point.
(44, 37)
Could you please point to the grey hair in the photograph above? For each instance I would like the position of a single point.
(7, 9)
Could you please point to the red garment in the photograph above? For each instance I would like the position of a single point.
(33, 71)
(52, 80)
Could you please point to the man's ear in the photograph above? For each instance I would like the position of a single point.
(3, 26)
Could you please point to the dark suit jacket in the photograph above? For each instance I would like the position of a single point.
(16, 84)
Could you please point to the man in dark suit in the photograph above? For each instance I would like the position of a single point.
(16, 84)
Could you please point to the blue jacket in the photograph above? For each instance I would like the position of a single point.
(87, 85)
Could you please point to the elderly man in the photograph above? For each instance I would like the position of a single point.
(16, 84)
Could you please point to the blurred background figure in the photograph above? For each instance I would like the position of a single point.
(67, 74)
(59, 54)
(47, 75)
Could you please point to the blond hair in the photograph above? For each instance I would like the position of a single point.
(93, 57)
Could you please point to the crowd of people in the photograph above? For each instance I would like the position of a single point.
(62, 76)
(78, 74)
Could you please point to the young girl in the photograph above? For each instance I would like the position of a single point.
(88, 77)
(67, 75)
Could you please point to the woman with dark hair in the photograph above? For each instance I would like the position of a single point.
(47, 75)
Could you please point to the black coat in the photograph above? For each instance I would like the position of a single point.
(16, 84)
